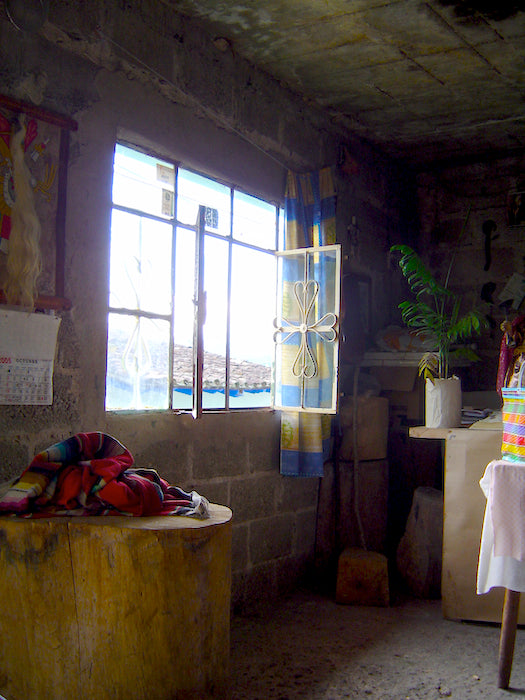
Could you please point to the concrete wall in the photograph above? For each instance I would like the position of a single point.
(445, 197)
(136, 70)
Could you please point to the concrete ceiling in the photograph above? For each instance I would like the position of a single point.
(425, 80)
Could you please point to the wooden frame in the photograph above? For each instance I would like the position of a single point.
(65, 124)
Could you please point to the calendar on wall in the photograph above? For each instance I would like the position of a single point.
(27, 353)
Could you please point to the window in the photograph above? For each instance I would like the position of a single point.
(194, 265)
(154, 237)
(306, 335)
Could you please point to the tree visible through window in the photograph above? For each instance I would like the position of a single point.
(151, 311)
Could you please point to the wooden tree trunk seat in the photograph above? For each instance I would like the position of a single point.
(115, 607)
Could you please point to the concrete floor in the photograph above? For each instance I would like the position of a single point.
(307, 646)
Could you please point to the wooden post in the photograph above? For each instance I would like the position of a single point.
(507, 637)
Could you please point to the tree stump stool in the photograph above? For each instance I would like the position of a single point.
(115, 607)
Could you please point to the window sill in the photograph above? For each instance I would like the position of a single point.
(187, 412)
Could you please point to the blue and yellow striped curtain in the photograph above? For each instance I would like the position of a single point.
(310, 221)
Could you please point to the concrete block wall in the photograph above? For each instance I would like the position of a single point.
(233, 459)
(139, 71)
(445, 197)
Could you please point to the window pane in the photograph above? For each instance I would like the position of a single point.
(140, 267)
(214, 330)
(193, 190)
(182, 376)
(143, 182)
(253, 221)
(287, 385)
(323, 268)
(307, 348)
(137, 373)
(256, 398)
(280, 240)
(251, 323)
(183, 319)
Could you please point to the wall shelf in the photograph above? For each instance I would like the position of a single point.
(46, 303)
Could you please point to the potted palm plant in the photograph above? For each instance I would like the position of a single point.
(434, 315)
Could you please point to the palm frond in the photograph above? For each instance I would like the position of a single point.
(465, 352)
(429, 365)
(417, 314)
(419, 278)
(435, 312)
(467, 326)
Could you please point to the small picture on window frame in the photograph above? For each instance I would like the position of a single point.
(516, 208)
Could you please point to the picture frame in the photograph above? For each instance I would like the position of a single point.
(516, 208)
(47, 155)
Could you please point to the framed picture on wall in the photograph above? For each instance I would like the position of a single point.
(516, 209)
(45, 149)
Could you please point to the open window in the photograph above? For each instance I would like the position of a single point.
(307, 329)
(192, 289)
(193, 297)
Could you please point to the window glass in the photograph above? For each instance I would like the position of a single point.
(253, 221)
(184, 310)
(306, 360)
(252, 314)
(143, 182)
(281, 230)
(215, 324)
(193, 190)
(137, 375)
(183, 318)
(140, 263)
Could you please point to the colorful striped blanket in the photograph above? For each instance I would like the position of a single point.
(92, 474)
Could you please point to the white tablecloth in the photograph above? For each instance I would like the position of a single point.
(503, 484)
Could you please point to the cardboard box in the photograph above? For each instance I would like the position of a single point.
(395, 378)
(408, 403)
(403, 388)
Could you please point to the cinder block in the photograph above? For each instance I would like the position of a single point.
(362, 578)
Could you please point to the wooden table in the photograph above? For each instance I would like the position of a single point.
(499, 565)
(466, 455)
(115, 607)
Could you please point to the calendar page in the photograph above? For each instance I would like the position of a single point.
(27, 353)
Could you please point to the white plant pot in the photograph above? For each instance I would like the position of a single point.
(443, 403)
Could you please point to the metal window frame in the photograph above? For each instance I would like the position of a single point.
(199, 299)
(304, 328)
